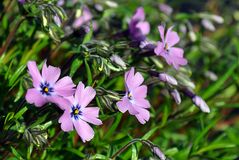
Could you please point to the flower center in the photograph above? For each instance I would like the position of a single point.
(76, 112)
(129, 95)
(166, 47)
(46, 89)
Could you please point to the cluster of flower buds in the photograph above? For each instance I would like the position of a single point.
(174, 87)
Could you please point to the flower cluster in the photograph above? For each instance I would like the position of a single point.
(47, 87)
(139, 28)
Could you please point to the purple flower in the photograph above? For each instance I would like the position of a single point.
(139, 28)
(47, 87)
(22, 1)
(166, 49)
(135, 100)
(166, 9)
(85, 17)
(77, 115)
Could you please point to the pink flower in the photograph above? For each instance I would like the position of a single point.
(47, 87)
(76, 114)
(166, 49)
(135, 100)
(139, 28)
(85, 17)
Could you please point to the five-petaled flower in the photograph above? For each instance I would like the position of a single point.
(135, 100)
(76, 114)
(172, 55)
(139, 28)
(47, 87)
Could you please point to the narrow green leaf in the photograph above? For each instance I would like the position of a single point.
(15, 153)
(89, 35)
(75, 65)
(16, 75)
(134, 153)
(219, 83)
(202, 134)
(114, 126)
(88, 71)
(20, 113)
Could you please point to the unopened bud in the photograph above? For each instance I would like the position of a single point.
(158, 153)
(201, 104)
(118, 60)
(167, 79)
(217, 19)
(208, 25)
(57, 21)
(166, 9)
(146, 44)
(176, 96)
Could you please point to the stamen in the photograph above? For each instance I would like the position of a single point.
(46, 89)
(129, 95)
(76, 111)
(166, 47)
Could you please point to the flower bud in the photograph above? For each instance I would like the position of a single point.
(164, 77)
(218, 19)
(166, 9)
(57, 20)
(208, 25)
(146, 44)
(158, 153)
(176, 96)
(118, 60)
(201, 104)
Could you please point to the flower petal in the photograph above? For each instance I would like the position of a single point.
(34, 96)
(64, 87)
(159, 50)
(171, 38)
(84, 130)
(123, 104)
(139, 14)
(139, 92)
(86, 17)
(35, 74)
(141, 102)
(133, 81)
(84, 95)
(61, 102)
(50, 74)
(143, 115)
(144, 27)
(176, 51)
(161, 32)
(91, 114)
(66, 122)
